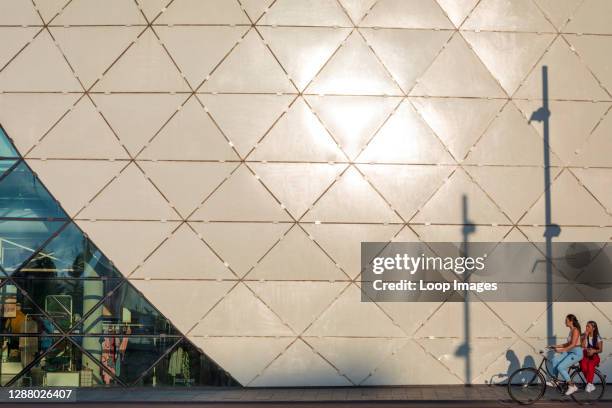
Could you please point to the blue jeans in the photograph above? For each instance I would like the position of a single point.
(563, 361)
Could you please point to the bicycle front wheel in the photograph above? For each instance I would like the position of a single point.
(526, 385)
(582, 396)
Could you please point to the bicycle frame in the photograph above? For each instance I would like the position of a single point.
(543, 368)
(546, 371)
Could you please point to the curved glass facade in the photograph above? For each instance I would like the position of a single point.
(68, 317)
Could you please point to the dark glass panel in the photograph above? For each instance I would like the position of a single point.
(126, 311)
(18, 315)
(64, 365)
(128, 357)
(19, 240)
(22, 195)
(66, 301)
(18, 352)
(70, 254)
(6, 147)
(63, 285)
(185, 366)
(5, 165)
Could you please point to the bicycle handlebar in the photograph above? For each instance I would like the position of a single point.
(544, 353)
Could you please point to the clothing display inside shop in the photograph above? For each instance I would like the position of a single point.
(113, 352)
(29, 339)
(178, 367)
(104, 328)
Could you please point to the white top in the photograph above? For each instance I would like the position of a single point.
(569, 338)
(590, 341)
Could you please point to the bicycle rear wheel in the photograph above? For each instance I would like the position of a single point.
(526, 385)
(582, 396)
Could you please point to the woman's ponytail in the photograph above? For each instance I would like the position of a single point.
(574, 321)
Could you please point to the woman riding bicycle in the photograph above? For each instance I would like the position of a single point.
(570, 352)
(592, 345)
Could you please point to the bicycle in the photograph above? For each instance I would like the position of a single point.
(528, 385)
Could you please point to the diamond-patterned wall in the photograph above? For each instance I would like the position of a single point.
(230, 156)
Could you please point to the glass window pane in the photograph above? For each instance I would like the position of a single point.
(22, 195)
(126, 356)
(6, 147)
(5, 165)
(19, 315)
(11, 363)
(66, 301)
(186, 366)
(17, 353)
(64, 365)
(126, 311)
(69, 255)
(19, 240)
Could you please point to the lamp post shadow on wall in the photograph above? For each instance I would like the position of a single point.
(464, 350)
(551, 230)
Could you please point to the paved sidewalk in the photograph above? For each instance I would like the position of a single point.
(276, 395)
